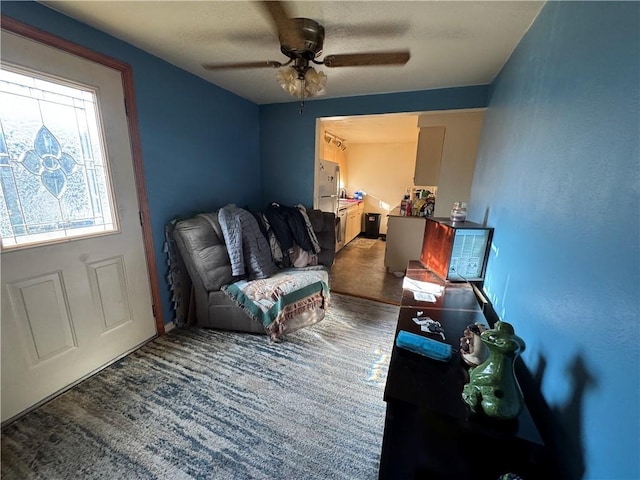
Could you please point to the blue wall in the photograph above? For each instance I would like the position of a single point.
(558, 177)
(198, 141)
(288, 139)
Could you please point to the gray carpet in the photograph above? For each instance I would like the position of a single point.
(218, 405)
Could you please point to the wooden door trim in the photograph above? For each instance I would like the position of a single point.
(12, 25)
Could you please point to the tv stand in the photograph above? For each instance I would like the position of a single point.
(429, 431)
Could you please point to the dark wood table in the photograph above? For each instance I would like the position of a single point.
(429, 430)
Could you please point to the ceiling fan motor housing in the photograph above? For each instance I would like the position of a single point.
(312, 36)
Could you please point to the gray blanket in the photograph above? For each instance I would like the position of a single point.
(245, 243)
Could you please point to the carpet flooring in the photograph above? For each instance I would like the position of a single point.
(199, 403)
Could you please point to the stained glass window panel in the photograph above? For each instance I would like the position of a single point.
(54, 179)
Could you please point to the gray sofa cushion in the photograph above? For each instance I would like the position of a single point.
(324, 226)
(202, 239)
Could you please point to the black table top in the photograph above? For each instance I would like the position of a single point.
(456, 295)
(435, 387)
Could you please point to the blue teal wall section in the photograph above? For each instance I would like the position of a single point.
(288, 138)
(557, 175)
(199, 142)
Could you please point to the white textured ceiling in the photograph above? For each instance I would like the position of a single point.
(452, 43)
(389, 128)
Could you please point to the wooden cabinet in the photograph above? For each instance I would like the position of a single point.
(404, 241)
(429, 156)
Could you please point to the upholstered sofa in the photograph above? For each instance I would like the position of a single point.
(201, 251)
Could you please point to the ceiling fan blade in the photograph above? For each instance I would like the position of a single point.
(287, 30)
(240, 65)
(366, 59)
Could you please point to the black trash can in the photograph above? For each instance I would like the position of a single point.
(372, 225)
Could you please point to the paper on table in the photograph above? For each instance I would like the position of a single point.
(426, 287)
(424, 297)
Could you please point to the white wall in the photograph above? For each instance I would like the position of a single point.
(384, 171)
(459, 153)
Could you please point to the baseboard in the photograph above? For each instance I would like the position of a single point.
(169, 326)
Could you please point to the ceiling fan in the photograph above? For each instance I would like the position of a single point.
(301, 40)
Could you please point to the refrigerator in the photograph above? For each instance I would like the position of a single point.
(328, 179)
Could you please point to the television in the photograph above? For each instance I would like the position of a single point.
(456, 251)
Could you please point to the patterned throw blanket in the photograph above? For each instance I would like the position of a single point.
(276, 300)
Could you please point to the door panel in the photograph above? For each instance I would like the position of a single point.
(72, 307)
(40, 308)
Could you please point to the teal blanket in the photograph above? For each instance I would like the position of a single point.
(277, 300)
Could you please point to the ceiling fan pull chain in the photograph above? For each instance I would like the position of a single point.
(304, 87)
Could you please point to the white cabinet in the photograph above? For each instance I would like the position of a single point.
(455, 157)
(353, 218)
(404, 241)
(429, 155)
(350, 223)
(352, 214)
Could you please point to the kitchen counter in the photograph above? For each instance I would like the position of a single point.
(344, 203)
(396, 213)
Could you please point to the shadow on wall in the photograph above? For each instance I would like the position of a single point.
(561, 427)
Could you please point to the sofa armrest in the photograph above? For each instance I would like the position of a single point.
(324, 226)
(201, 244)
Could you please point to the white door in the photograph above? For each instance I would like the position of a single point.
(70, 304)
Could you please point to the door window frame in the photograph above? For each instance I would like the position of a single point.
(60, 229)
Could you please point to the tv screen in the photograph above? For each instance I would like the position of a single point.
(468, 254)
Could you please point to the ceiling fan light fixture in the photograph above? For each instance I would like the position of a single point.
(312, 84)
(315, 82)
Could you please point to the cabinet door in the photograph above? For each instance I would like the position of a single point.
(352, 223)
(429, 155)
(360, 217)
(347, 226)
